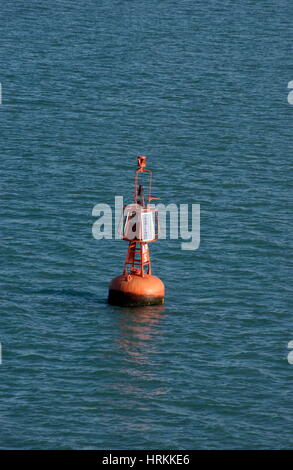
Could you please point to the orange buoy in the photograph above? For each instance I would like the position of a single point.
(139, 226)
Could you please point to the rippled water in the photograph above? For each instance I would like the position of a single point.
(201, 88)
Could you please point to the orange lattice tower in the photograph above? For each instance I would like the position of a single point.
(139, 226)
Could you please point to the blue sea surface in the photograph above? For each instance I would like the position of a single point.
(200, 87)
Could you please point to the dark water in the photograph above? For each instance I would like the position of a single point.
(201, 88)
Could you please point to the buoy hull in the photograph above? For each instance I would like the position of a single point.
(134, 290)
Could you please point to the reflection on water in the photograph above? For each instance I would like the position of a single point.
(138, 338)
(138, 332)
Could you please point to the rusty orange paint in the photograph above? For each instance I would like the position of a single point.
(137, 285)
(132, 289)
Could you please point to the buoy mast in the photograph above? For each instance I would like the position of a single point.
(139, 226)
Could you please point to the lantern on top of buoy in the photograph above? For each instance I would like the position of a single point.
(139, 226)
